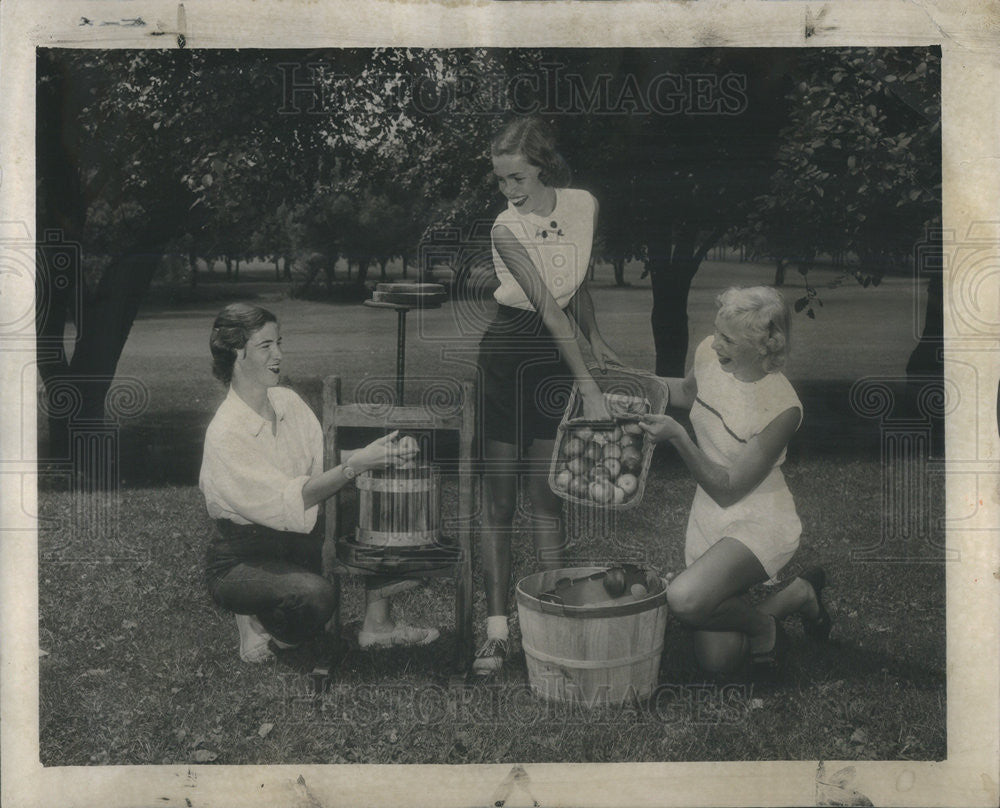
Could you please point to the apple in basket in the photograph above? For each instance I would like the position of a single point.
(573, 447)
(578, 488)
(602, 491)
(628, 483)
(631, 459)
(563, 479)
(579, 466)
(614, 467)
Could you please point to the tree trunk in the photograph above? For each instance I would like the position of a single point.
(236, 273)
(779, 272)
(277, 268)
(619, 266)
(229, 267)
(363, 270)
(671, 273)
(288, 268)
(382, 264)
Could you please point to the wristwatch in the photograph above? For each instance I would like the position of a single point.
(348, 472)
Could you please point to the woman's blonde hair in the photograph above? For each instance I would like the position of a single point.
(762, 313)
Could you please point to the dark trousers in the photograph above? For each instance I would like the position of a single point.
(272, 574)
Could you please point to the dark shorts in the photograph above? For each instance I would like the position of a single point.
(232, 544)
(526, 384)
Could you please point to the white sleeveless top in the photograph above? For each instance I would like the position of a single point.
(559, 245)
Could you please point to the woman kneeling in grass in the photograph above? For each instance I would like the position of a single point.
(263, 479)
(743, 527)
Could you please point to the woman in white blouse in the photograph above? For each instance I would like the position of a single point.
(263, 479)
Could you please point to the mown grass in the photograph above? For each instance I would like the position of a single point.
(141, 667)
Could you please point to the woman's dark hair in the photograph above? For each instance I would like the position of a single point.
(534, 140)
(230, 332)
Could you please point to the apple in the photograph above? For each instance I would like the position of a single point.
(631, 459)
(593, 452)
(563, 479)
(573, 447)
(614, 582)
(584, 433)
(628, 483)
(627, 440)
(616, 434)
(601, 491)
(618, 495)
(638, 591)
(579, 466)
(632, 429)
(599, 472)
(407, 445)
(614, 466)
(612, 451)
(578, 488)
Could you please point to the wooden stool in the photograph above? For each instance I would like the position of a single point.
(450, 556)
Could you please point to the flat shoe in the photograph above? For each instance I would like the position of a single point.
(764, 664)
(401, 634)
(817, 628)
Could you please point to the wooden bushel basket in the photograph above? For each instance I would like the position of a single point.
(592, 655)
(399, 507)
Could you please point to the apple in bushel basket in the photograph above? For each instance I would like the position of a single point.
(573, 447)
(579, 466)
(563, 479)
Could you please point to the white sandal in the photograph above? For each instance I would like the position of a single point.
(401, 634)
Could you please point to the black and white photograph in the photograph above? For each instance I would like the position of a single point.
(502, 409)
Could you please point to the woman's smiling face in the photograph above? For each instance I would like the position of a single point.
(260, 360)
(519, 182)
(737, 353)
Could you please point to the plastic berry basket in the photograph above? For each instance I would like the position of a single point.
(630, 393)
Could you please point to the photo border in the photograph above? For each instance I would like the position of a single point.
(968, 34)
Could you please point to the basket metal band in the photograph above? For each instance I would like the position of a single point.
(590, 664)
(381, 538)
(394, 485)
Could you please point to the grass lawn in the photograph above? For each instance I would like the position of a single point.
(141, 668)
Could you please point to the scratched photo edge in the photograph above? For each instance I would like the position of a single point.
(475, 784)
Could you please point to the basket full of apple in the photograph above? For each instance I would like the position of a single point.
(605, 463)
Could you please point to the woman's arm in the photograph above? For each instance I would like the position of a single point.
(563, 331)
(384, 451)
(727, 485)
(583, 305)
(682, 392)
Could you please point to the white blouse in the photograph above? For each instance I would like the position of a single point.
(559, 245)
(251, 476)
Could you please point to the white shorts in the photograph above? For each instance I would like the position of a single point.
(764, 520)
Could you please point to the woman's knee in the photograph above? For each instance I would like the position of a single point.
(317, 595)
(687, 602)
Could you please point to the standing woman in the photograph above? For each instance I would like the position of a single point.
(529, 356)
(263, 479)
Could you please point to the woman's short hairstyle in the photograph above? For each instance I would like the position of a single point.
(762, 314)
(230, 332)
(534, 140)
